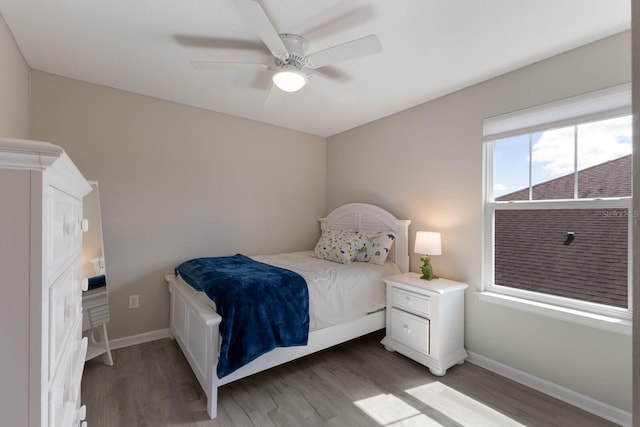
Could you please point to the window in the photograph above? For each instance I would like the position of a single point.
(558, 205)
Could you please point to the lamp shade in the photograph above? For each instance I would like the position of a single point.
(428, 243)
(290, 79)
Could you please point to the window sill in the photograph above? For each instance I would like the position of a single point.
(607, 323)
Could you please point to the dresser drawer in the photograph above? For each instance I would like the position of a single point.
(65, 309)
(410, 301)
(64, 393)
(65, 222)
(410, 330)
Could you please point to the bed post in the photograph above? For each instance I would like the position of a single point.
(195, 327)
(211, 376)
(212, 402)
(401, 257)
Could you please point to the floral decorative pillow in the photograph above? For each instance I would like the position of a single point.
(376, 247)
(338, 246)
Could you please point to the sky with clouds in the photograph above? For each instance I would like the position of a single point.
(553, 155)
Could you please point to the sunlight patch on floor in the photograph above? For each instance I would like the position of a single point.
(460, 407)
(391, 411)
(441, 401)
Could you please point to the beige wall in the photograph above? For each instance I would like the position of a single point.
(14, 87)
(178, 182)
(425, 164)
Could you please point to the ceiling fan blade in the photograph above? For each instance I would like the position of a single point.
(354, 49)
(273, 98)
(218, 43)
(210, 65)
(334, 23)
(331, 89)
(263, 27)
(333, 73)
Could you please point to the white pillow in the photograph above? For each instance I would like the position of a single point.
(338, 246)
(376, 247)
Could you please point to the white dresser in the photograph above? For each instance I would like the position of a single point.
(42, 350)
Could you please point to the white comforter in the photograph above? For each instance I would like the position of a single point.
(338, 293)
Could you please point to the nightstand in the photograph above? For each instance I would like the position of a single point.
(425, 320)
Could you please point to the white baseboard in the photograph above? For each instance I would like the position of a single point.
(139, 339)
(572, 397)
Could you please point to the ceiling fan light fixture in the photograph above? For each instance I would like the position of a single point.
(290, 79)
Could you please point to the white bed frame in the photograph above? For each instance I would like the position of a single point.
(195, 325)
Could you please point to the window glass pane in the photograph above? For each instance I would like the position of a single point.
(511, 168)
(553, 164)
(533, 251)
(604, 158)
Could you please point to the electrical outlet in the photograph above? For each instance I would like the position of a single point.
(134, 301)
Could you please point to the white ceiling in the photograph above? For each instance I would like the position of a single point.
(430, 48)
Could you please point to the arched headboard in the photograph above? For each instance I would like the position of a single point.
(363, 217)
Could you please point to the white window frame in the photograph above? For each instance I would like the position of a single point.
(600, 105)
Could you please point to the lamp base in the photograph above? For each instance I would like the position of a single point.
(427, 270)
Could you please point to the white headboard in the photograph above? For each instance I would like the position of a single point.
(364, 217)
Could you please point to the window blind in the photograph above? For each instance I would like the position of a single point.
(601, 104)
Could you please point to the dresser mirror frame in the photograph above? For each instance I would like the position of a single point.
(95, 302)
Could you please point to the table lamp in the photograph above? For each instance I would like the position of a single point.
(427, 243)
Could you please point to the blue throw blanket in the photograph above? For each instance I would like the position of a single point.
(262, 306)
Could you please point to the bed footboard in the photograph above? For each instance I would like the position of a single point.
(195, 326)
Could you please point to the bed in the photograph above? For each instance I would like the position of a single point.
(195, 324)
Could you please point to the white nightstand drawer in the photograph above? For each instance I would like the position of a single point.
(410, 301)
(410, 330)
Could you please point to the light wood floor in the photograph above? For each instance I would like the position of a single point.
(356, 384)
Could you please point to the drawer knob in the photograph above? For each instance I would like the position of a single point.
(71, 393)
(84, 225)
(68, 227)
(72, 311)
(406, 329)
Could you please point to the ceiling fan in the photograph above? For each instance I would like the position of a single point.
(291, 60)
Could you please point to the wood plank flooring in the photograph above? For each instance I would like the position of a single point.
(356, 384)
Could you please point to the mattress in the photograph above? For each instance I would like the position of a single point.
(338, 293)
